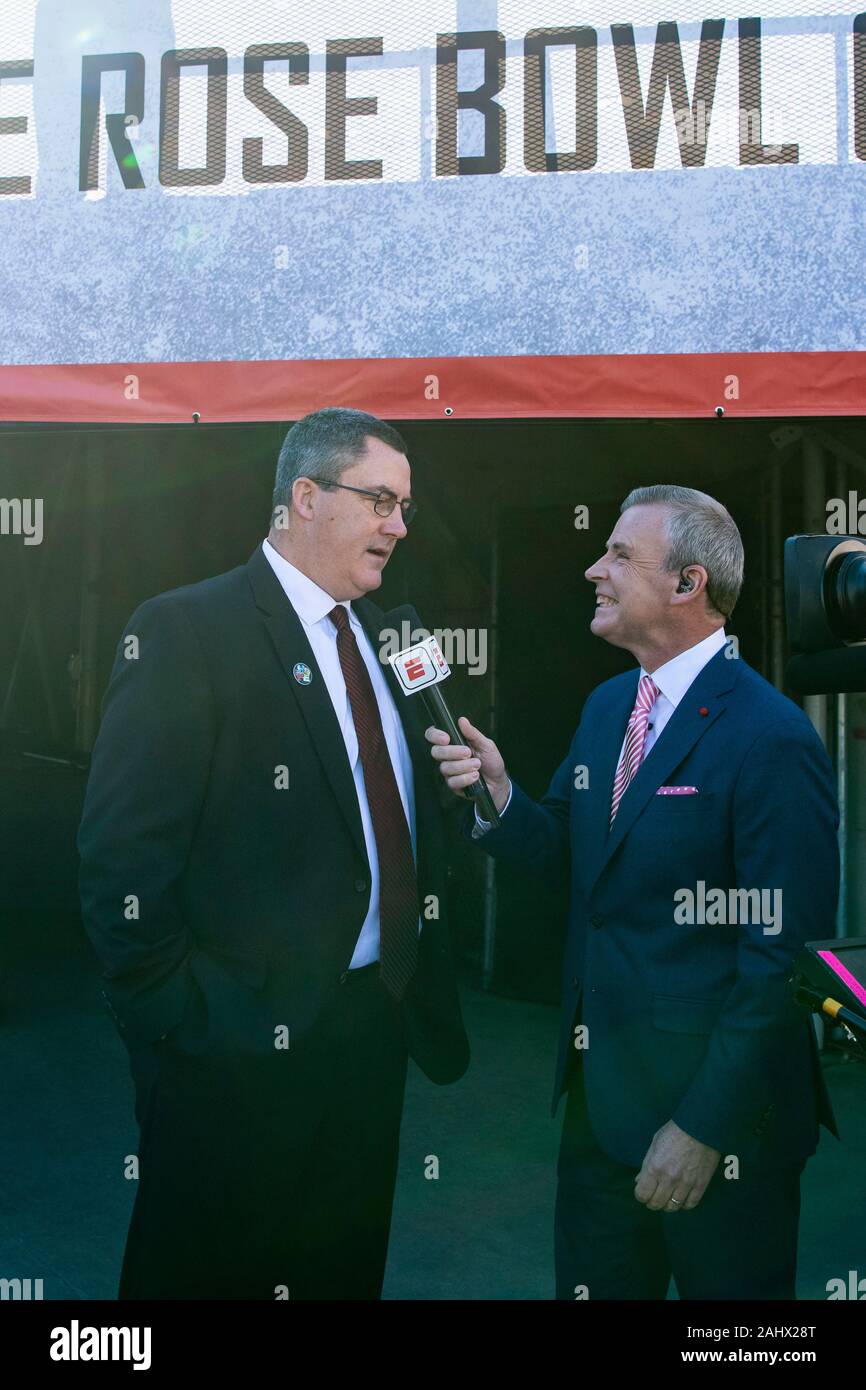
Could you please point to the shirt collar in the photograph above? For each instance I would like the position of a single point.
(674, 678)
(310, 602)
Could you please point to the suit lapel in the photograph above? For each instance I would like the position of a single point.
(604, 756)
(290, 642)
(682, 732)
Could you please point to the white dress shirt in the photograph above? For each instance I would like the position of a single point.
(312, 606)
(673, 680)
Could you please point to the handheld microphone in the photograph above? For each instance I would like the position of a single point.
(421, 668)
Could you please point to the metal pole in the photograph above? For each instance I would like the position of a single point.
(841, 479)
(765, 576)
(489, 956)
(87, 714)
(777, 588)
(31, 624)
(815, 520)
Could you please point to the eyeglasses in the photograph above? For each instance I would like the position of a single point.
(383, 502)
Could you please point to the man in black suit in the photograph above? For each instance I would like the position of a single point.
(263, 879)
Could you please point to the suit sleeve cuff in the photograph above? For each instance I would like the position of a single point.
(481, 827)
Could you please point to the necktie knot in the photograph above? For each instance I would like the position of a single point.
(646, 693)
(339, 617)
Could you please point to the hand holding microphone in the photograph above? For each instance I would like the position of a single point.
(461, 765)
(420, 668)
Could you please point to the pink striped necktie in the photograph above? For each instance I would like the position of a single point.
(635, 738)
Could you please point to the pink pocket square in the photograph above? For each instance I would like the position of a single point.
(677, 791)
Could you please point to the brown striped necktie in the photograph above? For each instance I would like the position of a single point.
(398, 885)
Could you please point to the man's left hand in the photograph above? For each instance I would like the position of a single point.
(676, 1167)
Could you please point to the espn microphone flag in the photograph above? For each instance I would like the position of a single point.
(419, 669)
(420, 666)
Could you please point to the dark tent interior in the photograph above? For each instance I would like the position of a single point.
(498, 552)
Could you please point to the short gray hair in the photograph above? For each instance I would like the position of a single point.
(701, 532)
(324, 444)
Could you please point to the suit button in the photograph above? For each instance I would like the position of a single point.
(596, 920)
(361, 885)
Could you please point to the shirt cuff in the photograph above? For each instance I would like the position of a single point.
(481, 827)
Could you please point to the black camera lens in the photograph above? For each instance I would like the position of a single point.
(845, 595)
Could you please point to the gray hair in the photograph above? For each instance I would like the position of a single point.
(324, 444)
(700, 532)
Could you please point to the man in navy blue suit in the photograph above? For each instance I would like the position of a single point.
(696, 819)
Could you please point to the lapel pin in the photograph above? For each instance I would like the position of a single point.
(302, 673)
(703, 710)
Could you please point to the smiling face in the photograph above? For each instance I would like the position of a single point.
(633, 590)
(336, 537)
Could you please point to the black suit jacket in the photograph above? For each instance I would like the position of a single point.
(200, 877)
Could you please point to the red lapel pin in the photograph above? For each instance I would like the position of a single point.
(703, 710)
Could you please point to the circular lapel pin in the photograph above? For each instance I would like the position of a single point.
(302, 673)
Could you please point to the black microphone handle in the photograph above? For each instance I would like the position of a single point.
(478, 792)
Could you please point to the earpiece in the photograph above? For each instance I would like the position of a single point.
(685, 585)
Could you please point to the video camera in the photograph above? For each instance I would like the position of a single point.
(825, 606)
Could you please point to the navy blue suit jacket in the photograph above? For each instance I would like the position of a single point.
(690, 1022)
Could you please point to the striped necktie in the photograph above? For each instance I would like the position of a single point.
(398, 886)
(635, 738)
